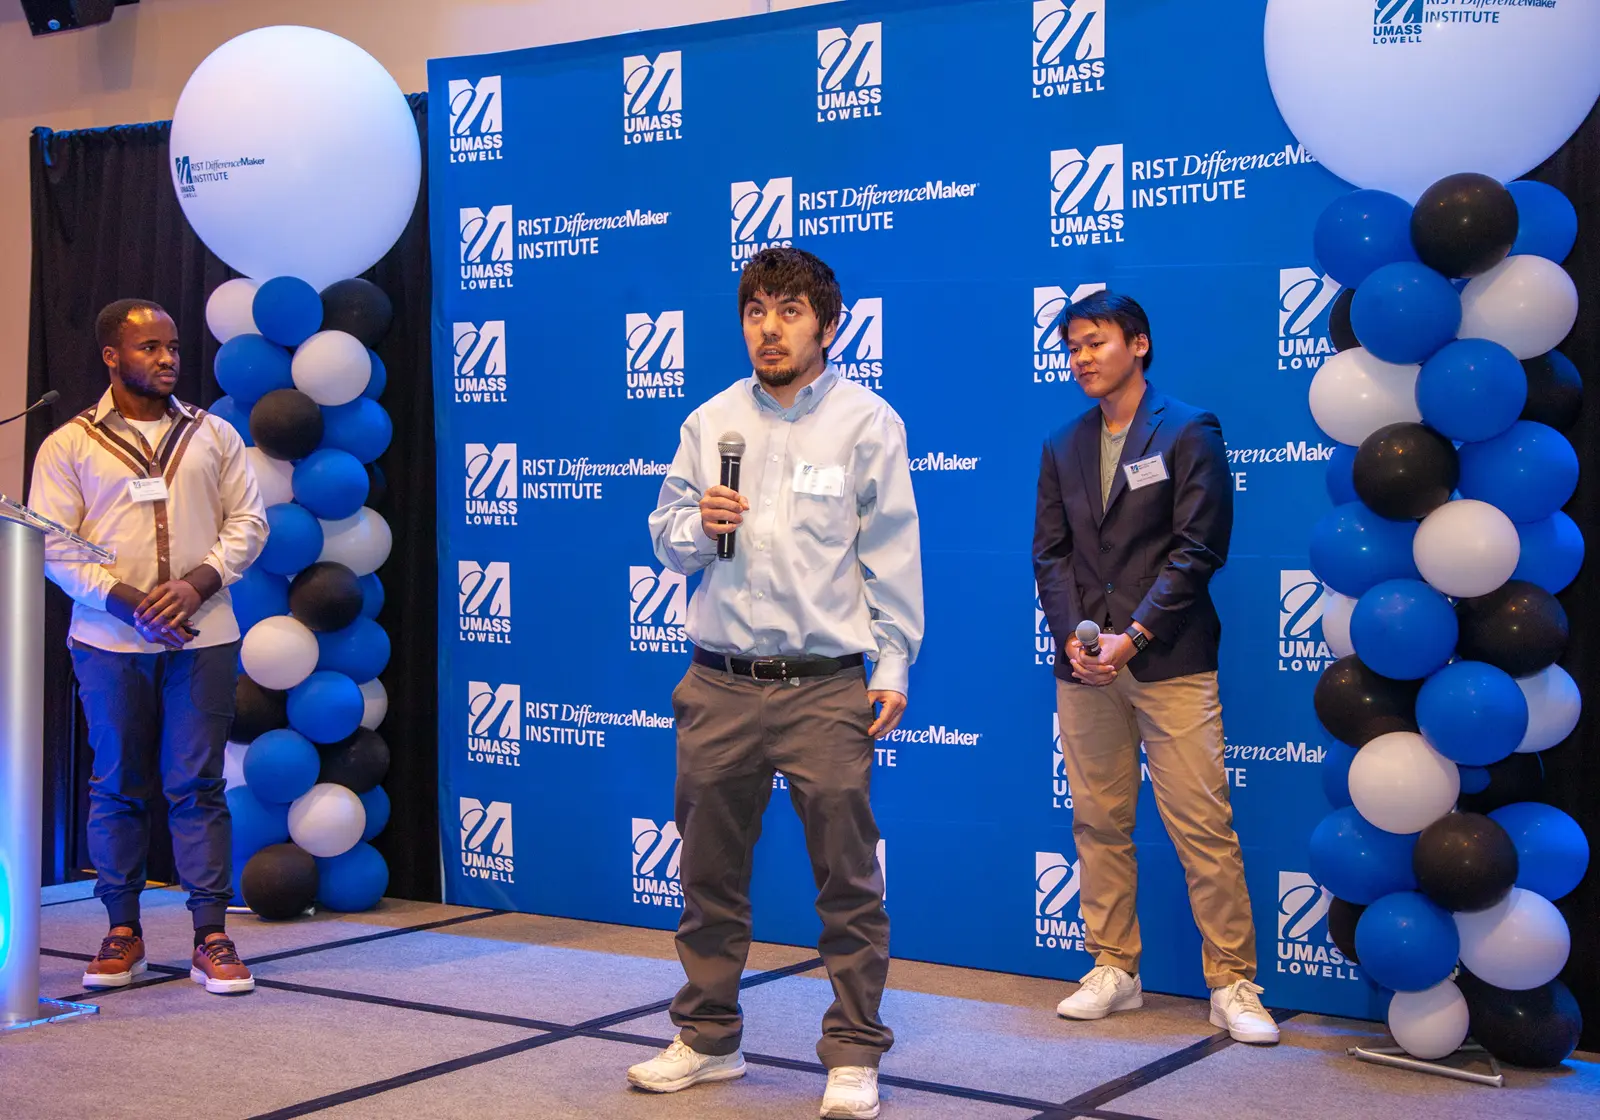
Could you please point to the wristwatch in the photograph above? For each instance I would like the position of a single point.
(1139, 638)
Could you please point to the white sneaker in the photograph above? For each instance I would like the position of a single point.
(852, 1093)
(1237, 1009)
(1104, 989)
(679, 1066)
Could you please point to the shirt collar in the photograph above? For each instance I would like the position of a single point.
(804, 402)
(108, 405)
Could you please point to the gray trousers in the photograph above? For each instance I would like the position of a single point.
(733, 732)
(158, 723)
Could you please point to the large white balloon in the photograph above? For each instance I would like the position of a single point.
(274, 477)
(332, 367)
(229, 310)
(1354, 394)
(1554, 705)
(1517, 944)
(295, 154)
(1501, 89)
(1431, 1023)
(279, 652)
(1336, 611)
(360, 542)
(1401, 784)
(1527, 304)
(376, 703)
(327, 820)
(1466, 548)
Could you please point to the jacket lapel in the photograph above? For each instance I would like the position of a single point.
(1086, 437)
(1143, 429)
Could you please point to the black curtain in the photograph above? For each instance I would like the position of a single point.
(107, 225)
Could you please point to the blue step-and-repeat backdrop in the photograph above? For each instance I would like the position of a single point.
(967, 168)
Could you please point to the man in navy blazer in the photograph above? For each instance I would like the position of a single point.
(1134, 514)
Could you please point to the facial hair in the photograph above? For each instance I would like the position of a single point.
(141, 386)
(777, 378)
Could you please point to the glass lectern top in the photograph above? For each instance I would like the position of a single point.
(62, 545)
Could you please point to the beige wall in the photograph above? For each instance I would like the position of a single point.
(133, 69)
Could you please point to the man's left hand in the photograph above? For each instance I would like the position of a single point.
(169, 606)
(893, 707)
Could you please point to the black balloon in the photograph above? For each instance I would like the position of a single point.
(1519, 628)
(1555, 390)
(256, 710)
(377, 486)
(1357, 705)
(1342, 334)
(1465, 861)
(357, 307)
(280, 881)
(1405, 471)
(1464, 224)
(286, 424)
(1342, 919)
(326, 596)
(1519, 777)
(1537, 1028)
(357, 763)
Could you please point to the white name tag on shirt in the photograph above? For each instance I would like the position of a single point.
(147, 489)
(810, 479)
(1146, 472)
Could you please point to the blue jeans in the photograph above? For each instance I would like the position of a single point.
(163, 715)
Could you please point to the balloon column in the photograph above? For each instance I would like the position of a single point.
(300, 199)
(1442, 560)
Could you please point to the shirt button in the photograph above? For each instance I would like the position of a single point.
(1108, 587)
(761, 546)
(774, 458)
(1105, 548)
(769, 501)
(761, 595)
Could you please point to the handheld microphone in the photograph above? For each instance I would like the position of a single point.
(1089, 635)
(731, 448)
(49, 398)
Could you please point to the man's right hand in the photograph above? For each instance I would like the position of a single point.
(721, 510)
(1088, 669)
(123, 603)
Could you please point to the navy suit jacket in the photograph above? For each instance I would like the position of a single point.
(1150, 554)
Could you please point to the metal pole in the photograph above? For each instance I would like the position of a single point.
(21, 766)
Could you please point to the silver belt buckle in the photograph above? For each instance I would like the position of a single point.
(781, 666)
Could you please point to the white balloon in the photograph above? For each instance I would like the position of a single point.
(1336, 610)
(233, 764)
(1466, 548)
(279, 652)
(327, 820)
(1355, 393)
(1502, 95)
(228, 311)
(295, 154)
(1554, 705)
(1401, 784)
(1525, 303)
(274, 477)
(377, 703)
(360, 542)
(1431, 1023)
(331, 367)
(1517, 944)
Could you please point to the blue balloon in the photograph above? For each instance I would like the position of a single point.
(1407, 942)
(360, 651)
(1354, 550)
(255, 824)
(361, 427)
(1358, 861)
(1404, 629)
(1336, 773)
(1552, 851)
(287, 310)
(230, 413)
(1360, 232)
(294, 539)
(258, 594)
(281, 765)
(1340, 477)
(379, 381)
(1528, 472)
(1472, 713)
(1547, 222)
(371, 595)
(1552, 552)
(333, 484)
(326, 707)
(1472, 389)
(354, 881)
(376, 802)
(248, 367)
(1474, 779)
(1404, 312)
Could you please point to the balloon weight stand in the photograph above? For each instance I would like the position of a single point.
(1399, 1059)
(53, 1011)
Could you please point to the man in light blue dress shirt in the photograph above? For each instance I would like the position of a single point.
(827, 573)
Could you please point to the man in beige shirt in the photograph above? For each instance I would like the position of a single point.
(154, 640)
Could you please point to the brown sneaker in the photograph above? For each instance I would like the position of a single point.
(121, 959)
(217, 965)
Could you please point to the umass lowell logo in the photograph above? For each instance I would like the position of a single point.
(486, 848)
(494, 723)
(476, 132)
(183, 171)
(1087, 197)
(491, 473)
(1069, 47)
(857, 348)
(484, 598)
(1305, 948)
(1396, 21)
(655, 355)
(1301, 599)
(652, 98)
(1305, 297)
(1057, 919)
(659, 610)
(850, 72)
(656, 851)
(480, 362)
(487, 248)
(1050, 361)
(763, 216)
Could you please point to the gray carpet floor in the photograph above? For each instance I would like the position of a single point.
(418, 1011)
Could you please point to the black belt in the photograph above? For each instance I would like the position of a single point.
(776, 668)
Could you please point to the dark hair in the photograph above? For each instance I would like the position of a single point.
(1106, 307)
(108, 324)
(782, 271)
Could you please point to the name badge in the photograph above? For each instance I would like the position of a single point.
(1146, 472)
(147, 489)
(811, 479)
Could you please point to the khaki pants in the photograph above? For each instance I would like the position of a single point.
(732, 733)
(1180, 722)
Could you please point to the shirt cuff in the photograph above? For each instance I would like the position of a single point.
(890, 673)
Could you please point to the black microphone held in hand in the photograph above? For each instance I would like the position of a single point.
(731, 448)
(1089, 636)
(49, 398)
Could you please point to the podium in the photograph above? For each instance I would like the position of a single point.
(24, 535)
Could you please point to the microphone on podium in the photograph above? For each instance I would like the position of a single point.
(49, 398)
(731, 448)
(1089, 635)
